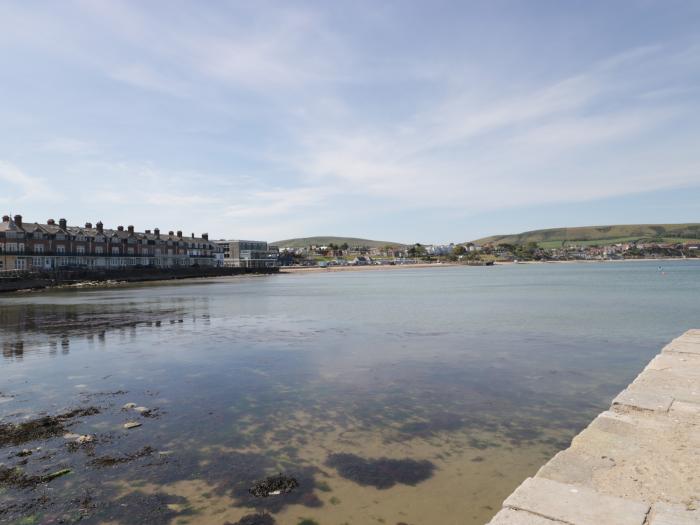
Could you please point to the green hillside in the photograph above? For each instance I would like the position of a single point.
(325, 241)
(587, 235)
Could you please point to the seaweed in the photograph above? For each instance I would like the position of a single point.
(273, 485)
(44, 427)
(255, 519)
(382, 473)
(110, 461)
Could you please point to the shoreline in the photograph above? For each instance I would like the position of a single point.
(315, 269)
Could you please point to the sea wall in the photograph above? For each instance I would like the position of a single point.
(46, 279)
(637, 463)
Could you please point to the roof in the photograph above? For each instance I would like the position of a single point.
(31, 227)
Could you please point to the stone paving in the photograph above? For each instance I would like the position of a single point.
(635, 464)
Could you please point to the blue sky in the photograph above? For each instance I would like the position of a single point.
(409, 121)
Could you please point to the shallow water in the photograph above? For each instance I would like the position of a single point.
(408, 396)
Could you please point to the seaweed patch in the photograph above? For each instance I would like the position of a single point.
(382, 473)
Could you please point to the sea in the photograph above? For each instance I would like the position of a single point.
(399, 397)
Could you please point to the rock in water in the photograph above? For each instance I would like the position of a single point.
(273, 486)
(132, 424)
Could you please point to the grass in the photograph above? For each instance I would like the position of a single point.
(553, 238)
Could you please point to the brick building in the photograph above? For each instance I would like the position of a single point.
(53, 245)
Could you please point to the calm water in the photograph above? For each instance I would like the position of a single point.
(409, 396)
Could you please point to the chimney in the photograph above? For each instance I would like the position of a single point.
(131, 229)
(51, 222)
(179, 234)
(88, 225)
(193, 235)
(148, 231)
(120, 228)
(205, 236)
(100, 226)
(171, 233)
(62, 223)
(157, 232)
(18, 220)
(5, 218)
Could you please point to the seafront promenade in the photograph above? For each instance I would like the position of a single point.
(637, 463)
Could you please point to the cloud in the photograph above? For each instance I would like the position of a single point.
(70, 146)
(26, 187)
(144, 77)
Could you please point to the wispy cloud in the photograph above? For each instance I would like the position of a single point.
(21, 187)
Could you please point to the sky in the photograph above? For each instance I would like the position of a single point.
(411, 121)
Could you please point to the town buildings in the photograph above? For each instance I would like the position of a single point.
(248, 254)
(54, 245)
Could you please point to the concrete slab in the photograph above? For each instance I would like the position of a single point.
(668, 514)
(643, 400)
(686, 409)
(573, 504)
(520, 517)
(683, 347)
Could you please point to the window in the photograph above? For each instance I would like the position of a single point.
(115, 250)
(98, 250)
(80, 250)
(38, 248)
(60, 248)
(11, 247)
(130, 251)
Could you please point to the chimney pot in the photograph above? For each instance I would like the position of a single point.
(5, 218)
(88, 225)
(179, 234)
(18, 220)
(62, 223)
(205, 236)
(148, 231)
(157, 232)
(120, 228)
(171, 233)
(131, 229)
(99, 226)
(51, 221)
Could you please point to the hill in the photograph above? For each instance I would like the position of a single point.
(325, 241)
(587, 235)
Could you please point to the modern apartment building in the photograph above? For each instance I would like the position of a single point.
(248, 254)
(53, 245)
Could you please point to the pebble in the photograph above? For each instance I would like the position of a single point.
(129, 406)
(141, 409)
(132, 424)
(87, 438)
(70, 435)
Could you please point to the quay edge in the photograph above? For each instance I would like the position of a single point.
(635, 464)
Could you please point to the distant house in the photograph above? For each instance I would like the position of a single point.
(361, 260)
